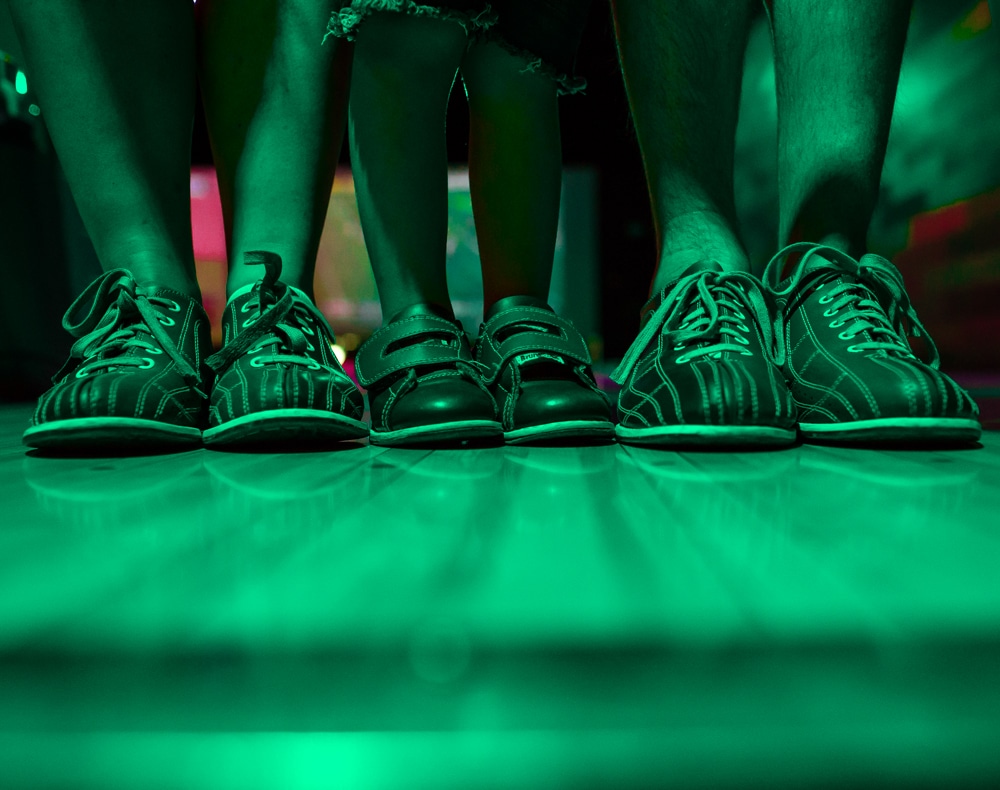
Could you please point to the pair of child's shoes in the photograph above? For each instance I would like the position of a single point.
(527, 378)
(140, 374)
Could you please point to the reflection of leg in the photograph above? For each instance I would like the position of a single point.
(682, 62)
(837, 68)
(276, 102)
(515, 167)
(404, 70)
(116, 81)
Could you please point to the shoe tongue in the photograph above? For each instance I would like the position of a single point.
(509, 302)
(701, 266)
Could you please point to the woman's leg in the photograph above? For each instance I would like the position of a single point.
(276, 103)
(116, 81)
(404, 70)
(515, 171)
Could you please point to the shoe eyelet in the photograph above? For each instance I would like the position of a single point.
(679, 347)
(308, 329)
(847, 335)
(743, 327)
(310, 346)
(246, 307)
(147, 363)
(747, 353)
(81, 373)
(854, 349)
(681, 360)
(826, 299)
(152, 350)
(249, 322)
(836, 324)
(166, 320)
(314, 365)
(257, 362)
(740, 339)
(740, 315)
(829, 313)
(173, 307)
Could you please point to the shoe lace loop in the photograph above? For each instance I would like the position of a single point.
(889, 320)
(120, 317)
(690, 314)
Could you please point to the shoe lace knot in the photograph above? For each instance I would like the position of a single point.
(283, 321)
(705, 314)
(121, 317)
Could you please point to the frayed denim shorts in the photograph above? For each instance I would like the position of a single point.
(546, 33)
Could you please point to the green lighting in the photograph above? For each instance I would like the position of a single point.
(21, 83)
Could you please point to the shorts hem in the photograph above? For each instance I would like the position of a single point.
(566, 84)
(345, 22)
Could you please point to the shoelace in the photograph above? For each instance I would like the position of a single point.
(692, 306)
(283, 320)
(889, 327)
(120, 317)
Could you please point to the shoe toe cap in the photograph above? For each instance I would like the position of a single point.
(450, 399)
(549, 401)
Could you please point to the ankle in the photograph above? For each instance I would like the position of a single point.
(698, 236)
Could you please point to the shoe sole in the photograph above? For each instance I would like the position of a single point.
(707, 436)
(894, 429)
(282, 426)
(594, 430)
(440, 433)
(108, 432)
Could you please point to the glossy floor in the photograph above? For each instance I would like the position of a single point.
(506, 616)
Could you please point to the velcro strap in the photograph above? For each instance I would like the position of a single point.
(567, 342)
(373, 363)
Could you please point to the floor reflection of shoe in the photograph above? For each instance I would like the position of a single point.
(850, 367)
(537, 366)
(134, 376)
(113, 494)
(702, 370)
(278, 380)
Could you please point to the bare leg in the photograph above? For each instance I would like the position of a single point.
(683, 62)
(515, 171)
(117, 85)
(276, 102)
(404, 70)
(837, 68)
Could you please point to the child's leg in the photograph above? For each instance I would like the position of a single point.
(515, 171)
(117, 85)
(276, 103)
(537, 363)
(403, 74)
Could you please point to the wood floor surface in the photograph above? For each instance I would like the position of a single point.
(499, 617)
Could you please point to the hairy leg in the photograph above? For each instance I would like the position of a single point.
(837, 66)
(116, 81)
(404, 70)
(276, 103)
(515, 171)
(683, 62)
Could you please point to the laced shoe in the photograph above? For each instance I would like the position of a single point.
(852, 372)
(134, 377)
(277, 379)
(704, 368)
